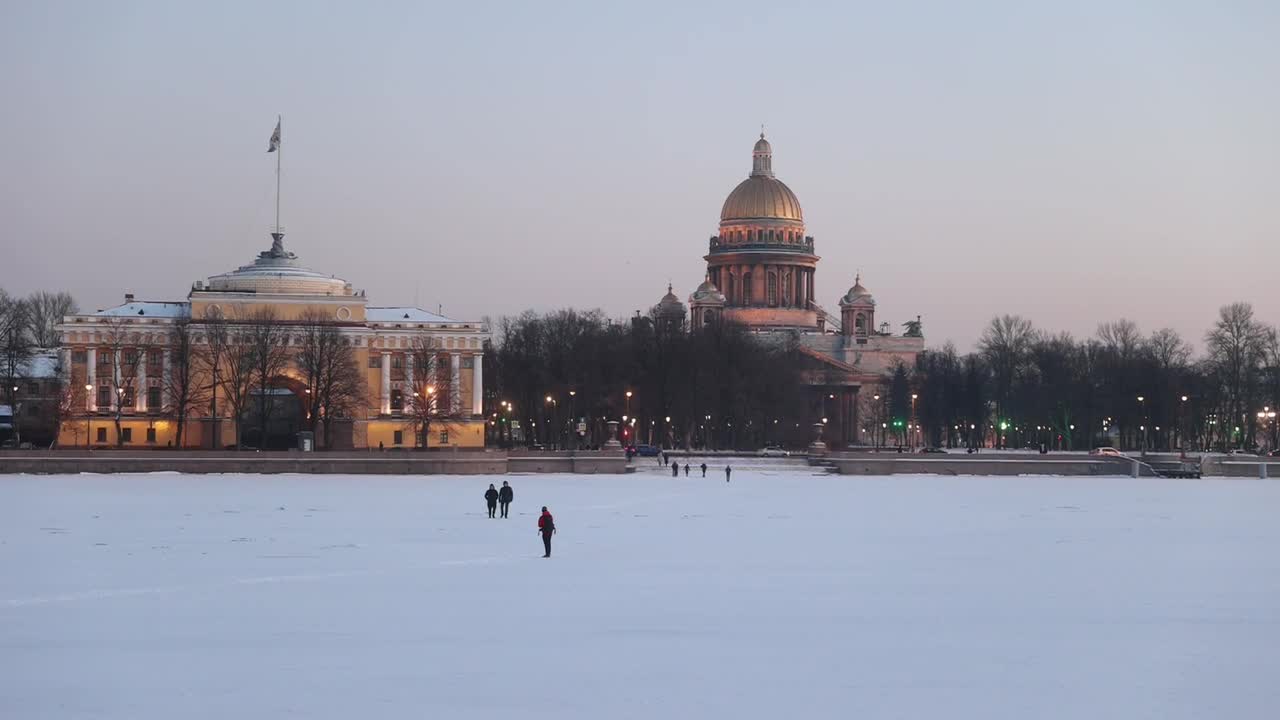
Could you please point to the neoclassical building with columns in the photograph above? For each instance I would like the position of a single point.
(760, 272)
(137, 338)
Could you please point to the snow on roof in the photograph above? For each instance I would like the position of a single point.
(43, 364)
(148, 308)
(404, 314)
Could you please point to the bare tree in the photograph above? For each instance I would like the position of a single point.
(335, 385)
(46, 311)
(430, 401)
(210, 354)
(71, 397)
(1170, 350)
(1006, 344)
(1237, 346)
(128, 351)
(182, 386)
(268, 340)
(15, 351)
(236, 372)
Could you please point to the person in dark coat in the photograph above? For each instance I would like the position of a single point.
(675, 468)
(505, 496)
(704, 469)
(491, 499)
(546, 526)
(727, 471)
(686, 469)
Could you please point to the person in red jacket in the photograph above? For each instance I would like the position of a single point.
(546, 526)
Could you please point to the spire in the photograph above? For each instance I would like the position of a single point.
(762, 158)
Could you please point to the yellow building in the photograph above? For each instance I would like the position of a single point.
(123, 362)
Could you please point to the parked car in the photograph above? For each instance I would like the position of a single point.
(933, 451)
(774, 451)
(1238, 451)
(1274, 453)
(647, 450)
(1107, 452)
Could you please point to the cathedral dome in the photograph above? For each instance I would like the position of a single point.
(670, 306)
(858, 295)
(761, 196)
(707, 294)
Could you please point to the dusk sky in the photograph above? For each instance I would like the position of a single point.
(1072, 162)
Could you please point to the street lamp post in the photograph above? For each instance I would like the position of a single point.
(912, 440)
(87, 389)
(573, 419)
(1142, 443)
(879, 421)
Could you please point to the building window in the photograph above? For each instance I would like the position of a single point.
(102, 435)
(104, 397)
(151, 436)
(444, 437)
(104, 359)
(375, 361)
(746, 289)
(79, 356)
(771, 288)
(729, 289)
(397, 362)
(129, 357)
(155, 358)
(33, 388)
(126, 397)
(126, 435)
(153, 398)
(468, 361)
(397, 401)
(397, 437)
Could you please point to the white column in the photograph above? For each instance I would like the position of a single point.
(91, 378)
(477, 386)
(386, 383)
(140, 383)
(166, 384)
(455, 382)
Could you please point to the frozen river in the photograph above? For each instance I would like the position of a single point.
(780, 595)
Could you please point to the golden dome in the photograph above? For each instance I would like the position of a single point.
(761, 197)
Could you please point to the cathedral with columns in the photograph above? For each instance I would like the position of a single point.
(411, 363)
(760, 274)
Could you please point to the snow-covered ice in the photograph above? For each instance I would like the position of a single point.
(781, 595)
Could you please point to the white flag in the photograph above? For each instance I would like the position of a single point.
(275, 139)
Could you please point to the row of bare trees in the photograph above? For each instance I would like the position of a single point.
(1025, 386)
(230, 367)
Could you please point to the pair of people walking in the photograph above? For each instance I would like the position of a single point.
(494, 497)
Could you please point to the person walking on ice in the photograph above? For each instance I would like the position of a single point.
(727, 471)
(546, 526)
(491, 499)
(686, 469)
(704, 469)
(505, 496)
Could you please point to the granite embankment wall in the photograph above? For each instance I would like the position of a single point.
(344, 463)
(981, 464)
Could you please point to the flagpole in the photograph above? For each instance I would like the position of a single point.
(279, 152)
